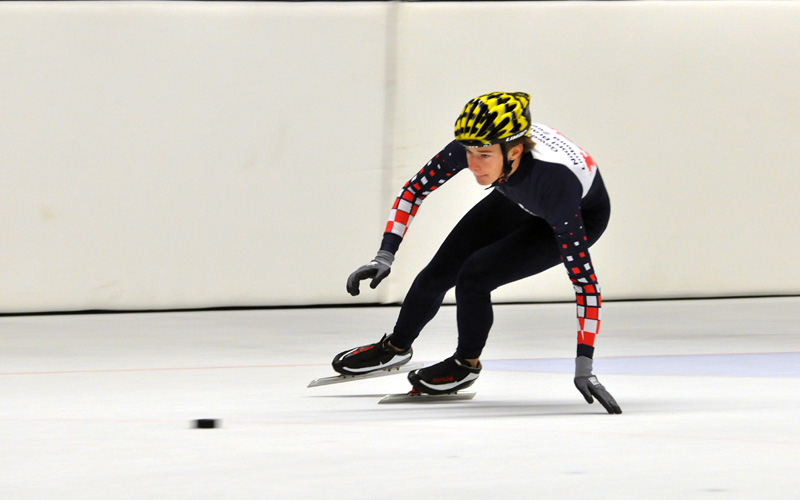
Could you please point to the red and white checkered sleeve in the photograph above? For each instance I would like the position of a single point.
(436, 172)
(575, 255)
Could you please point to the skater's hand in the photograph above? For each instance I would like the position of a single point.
(589, 386)
(379, 268)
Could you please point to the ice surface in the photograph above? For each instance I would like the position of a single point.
(102, 406)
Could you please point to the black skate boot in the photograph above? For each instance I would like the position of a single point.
(370, 358)
(445, 377)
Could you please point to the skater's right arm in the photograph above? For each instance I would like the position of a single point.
(450, 160)
(442, 167)
(377, 269)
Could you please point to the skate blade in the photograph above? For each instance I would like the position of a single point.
(338, 379)
(418, 397)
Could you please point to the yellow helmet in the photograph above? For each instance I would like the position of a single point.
(494, 118)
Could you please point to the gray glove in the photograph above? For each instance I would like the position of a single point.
(379, 268)
(589, 386)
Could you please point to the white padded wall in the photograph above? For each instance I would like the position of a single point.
(194, 154)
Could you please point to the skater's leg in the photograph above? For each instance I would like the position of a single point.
(526, 252)
(490, 220)
(529, 250)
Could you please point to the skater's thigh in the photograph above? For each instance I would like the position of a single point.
(527, 251)
(490, 220)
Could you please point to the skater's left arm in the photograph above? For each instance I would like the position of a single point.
(567, 223)
(589, 386)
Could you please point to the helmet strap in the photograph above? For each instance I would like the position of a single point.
(506, 167)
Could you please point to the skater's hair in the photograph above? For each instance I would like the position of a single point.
(527, 143)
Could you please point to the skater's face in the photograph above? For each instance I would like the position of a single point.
(486, 163)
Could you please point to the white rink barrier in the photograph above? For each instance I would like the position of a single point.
(160, 155)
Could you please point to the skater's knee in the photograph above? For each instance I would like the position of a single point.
(434, 280)
(472, 280)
